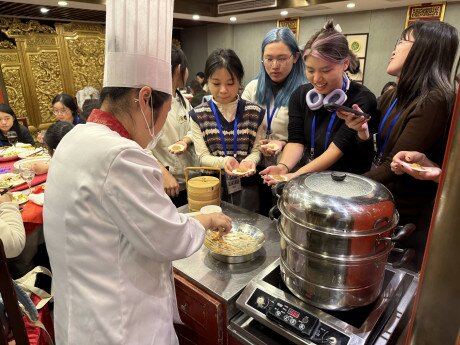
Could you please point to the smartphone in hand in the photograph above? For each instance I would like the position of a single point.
(335, 107)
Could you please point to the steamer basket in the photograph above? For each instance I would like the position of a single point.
(202, 190)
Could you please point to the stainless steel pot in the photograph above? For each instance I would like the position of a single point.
(333, 272)
(336, 233)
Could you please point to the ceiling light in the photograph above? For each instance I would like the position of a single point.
(351, 5)
(44, 10)
(232, 19)
(284, 13)
(62, 3)
(195, 17)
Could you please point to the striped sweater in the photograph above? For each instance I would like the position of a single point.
(250, 116)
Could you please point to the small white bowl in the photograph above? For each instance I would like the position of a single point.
(210, 209)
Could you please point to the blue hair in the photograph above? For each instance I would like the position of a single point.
(296, 77)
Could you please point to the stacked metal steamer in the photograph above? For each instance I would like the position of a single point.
(335, 238)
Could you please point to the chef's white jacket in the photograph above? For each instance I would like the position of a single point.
(111, 233)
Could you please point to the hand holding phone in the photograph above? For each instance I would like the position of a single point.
(335, 107)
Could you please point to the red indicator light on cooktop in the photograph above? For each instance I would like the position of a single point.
(293, 313)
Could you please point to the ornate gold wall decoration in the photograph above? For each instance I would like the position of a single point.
(5, 23)
(39, 41)
(29, 28)
(45, 61)
(48, 81)
(86, 61)
(6, 45)
(9, 57)
(13, 85)
(74, 27)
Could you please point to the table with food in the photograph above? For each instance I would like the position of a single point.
(27, 189)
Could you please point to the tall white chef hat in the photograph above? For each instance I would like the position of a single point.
(138, 44)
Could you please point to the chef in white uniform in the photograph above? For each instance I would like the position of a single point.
(110, 229)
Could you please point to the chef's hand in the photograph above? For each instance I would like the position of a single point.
(402, 164)
(230, 165)
(358, 123)
(170, 184)
(268, 152)
(215, 222)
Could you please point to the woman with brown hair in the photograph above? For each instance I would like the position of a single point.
(416, 118)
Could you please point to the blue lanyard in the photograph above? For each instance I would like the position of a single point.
(313, 131)
(381, 148)
(221, 132)
(270, 116)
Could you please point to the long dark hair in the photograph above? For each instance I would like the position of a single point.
(429, 62)
(178, 58)
(70, 103)
(224, 58)
(5, 108)
(331, 45)
(118, 99)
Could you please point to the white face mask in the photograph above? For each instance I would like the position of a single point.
(155, 139)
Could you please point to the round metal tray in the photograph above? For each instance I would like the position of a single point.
(247, 229)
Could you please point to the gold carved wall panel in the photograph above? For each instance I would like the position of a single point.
(86, 62)
(84, 47)
(13, 78)
(44, 61)
(48, 82)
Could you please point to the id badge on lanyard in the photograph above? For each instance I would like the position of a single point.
(381, 146)
(311, 155)
(233, 183)
(270, 116)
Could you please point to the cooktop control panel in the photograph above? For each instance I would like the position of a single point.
(295, 319)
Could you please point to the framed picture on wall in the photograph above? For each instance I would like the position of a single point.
(425, 11)
(359, 77)
(291, 23)
(358, 44)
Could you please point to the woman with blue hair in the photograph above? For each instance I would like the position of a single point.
(282, 70)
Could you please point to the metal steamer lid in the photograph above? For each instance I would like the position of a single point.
(338, 202)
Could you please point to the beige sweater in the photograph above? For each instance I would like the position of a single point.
(205, 157)
(12, 232)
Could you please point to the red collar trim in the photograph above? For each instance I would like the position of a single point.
(107, 119)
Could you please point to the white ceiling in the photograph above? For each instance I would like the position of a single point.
(307, 11)
(316, 10)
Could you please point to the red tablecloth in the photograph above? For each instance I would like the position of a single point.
(6, 167)
(32, 215)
